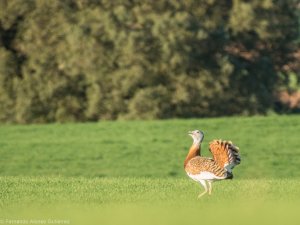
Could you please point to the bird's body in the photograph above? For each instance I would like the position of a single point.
(207, 170)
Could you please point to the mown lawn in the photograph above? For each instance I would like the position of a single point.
(269, 147)
(149, 201)
(132, 173)
(100, 191)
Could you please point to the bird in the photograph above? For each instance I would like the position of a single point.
(207, 170)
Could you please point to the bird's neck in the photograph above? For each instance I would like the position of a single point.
(193, 152)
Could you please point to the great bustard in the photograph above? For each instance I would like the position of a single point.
(207, 170)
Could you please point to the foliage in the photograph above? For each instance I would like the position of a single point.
(87, 60)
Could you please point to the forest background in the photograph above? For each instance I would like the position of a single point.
(90, 60)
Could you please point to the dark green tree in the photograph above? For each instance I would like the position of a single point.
(88, 60)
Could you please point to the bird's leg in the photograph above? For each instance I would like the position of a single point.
(203, 183)
(209, 187)
(201, 194)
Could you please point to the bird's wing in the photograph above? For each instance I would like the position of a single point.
(200, 164)
(225, 154)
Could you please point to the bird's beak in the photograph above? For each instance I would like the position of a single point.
(190, 132)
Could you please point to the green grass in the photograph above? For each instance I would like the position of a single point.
(269, 147)
(102, 191)
(158, 201)
(132, 173)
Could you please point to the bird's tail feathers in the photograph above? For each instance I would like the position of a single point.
(229, 175)
(225, 153)
(234, 157)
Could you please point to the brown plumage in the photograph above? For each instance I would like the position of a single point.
(206, 170)
(224, 153)
(198, 164)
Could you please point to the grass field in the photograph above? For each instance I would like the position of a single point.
(148, 201)
(132, 173)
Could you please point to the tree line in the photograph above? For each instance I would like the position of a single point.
(90, 60)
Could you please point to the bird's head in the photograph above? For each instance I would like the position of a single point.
(197, 136)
